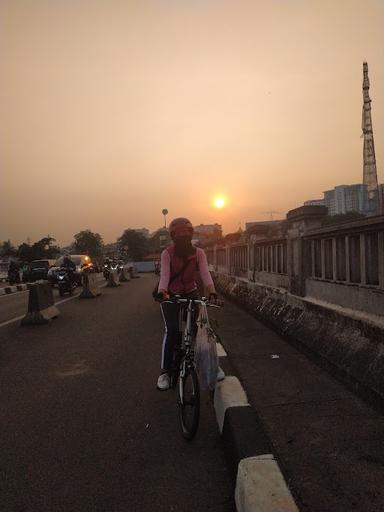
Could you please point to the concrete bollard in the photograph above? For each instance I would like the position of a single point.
(113, 279)
(91, 286)
(124, 275)
(133, 271)
(41, 306)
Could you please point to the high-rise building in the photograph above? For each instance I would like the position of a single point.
(347, 198)
(369, 159)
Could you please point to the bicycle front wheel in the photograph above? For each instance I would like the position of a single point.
(189, 403)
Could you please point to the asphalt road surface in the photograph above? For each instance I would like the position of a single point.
(82, 426)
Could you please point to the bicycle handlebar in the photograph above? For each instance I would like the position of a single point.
(203, 301)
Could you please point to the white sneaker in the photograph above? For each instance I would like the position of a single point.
(163, 382)
(220, 375)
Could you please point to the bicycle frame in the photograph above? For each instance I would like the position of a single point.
(187, 341)
(184, 370)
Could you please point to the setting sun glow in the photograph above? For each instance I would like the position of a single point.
(219, 202)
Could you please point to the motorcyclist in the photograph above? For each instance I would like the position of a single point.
(13, 272)
(68, 263)
(69, 266)
(26, 271)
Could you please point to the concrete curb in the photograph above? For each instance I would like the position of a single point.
(7, 290)
(260, 485)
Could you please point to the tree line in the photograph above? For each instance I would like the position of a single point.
(131, 244)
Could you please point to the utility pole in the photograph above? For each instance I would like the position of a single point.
(165, 213)
(369, 158)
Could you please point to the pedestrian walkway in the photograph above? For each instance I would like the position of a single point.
(329, 443)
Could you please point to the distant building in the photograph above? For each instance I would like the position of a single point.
(346, 198)
(207, 233)
(314, 202)
(249, 226)
(111, 250)
(159, 240)
(143, 231)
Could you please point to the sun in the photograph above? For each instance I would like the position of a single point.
(219, 202)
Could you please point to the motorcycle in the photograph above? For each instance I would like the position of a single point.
(108, 267)
(106, 271)
(65, 282)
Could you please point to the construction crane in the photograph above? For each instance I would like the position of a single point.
(271, 212)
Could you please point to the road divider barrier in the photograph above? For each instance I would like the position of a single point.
(125, 275)
(91, 286)
(133, 271)
(41, 305)
(7, 290)
(113, 279)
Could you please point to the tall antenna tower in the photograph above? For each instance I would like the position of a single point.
(369, 166)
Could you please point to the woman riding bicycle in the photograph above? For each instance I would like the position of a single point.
(179, 265)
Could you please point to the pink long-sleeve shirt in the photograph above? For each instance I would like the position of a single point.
(176, 285)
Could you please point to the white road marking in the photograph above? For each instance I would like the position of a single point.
(56, 304)
(5, 296)
(12, 320)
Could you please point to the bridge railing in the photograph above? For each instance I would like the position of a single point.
(349, 255)
(342, 264)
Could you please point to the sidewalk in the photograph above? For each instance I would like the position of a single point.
(328, 442)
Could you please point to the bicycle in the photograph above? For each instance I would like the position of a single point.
(183, 373)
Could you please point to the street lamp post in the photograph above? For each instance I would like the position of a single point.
(165, 213)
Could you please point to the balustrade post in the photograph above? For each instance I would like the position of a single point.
(322, 259)
(347, 261)
(363, 269)
(381, 258)
(334, 259)
(299, 250)
(228, 260)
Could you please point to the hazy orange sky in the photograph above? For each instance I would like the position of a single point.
(111, 110)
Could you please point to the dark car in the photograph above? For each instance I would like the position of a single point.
(39, 269)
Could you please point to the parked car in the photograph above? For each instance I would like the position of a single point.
(40, 268)
(82, 262)
(4, 270)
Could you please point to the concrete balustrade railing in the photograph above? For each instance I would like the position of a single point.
(322, 286)
(342, 264)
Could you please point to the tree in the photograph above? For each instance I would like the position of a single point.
(133, 244)
(87, 242)
(7, 249)
(42, 249)
(24, 252)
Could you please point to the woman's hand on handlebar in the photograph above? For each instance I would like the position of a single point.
(163, 295)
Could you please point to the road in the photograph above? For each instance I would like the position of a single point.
(83, 427)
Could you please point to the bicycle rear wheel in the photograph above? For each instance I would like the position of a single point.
(189, 403)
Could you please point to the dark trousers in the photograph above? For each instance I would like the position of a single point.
(172, 316)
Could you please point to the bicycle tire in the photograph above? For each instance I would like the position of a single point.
(189, 403)
(177, 357)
